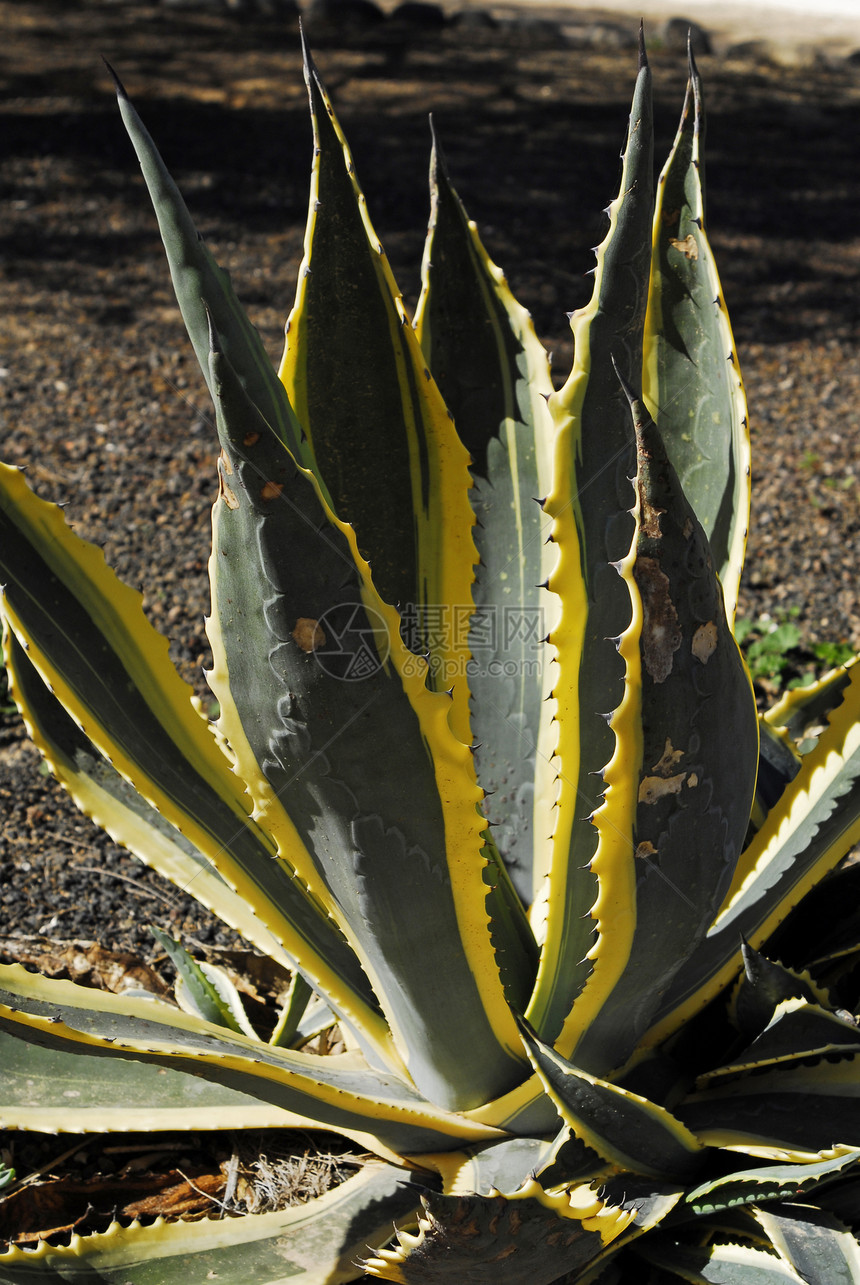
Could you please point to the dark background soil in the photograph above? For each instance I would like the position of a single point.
(100, 397)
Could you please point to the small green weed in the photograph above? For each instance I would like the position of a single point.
(832, 654)
(777, 656)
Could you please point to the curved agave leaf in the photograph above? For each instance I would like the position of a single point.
(70, 1090)
(805, 836)
(204, 989)
(802, 709)
(716, 1264)
(590, 504)
(530, 1238)
(491, 1169)
(782, 1113)
(86, 635)
(301, 1016)
(766, 1184)
(763, 987)
(325, 752)
(494, 375)
(797, 1031)
(105, 796)
(649, 1202)
(317, 1243)
(375, 1108)
(820, 1249)
(381, 435)
(627, 1130)
(691, 382)
(525, 1110)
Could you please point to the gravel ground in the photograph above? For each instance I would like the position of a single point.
(99, 394)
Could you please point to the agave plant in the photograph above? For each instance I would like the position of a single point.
(488, 778)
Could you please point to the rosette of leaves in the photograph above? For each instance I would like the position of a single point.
(488, 778)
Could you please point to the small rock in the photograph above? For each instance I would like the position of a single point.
(675, 32)
(749, 51)
(798, 56)
(609, 35)
(418, 14)
(341, 17)
(536, 31)
(276, 8)
(474, 20)
(265, 8)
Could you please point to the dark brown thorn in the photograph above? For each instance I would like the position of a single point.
(118, 85)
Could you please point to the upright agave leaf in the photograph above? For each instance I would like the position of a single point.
(690, 705)
(494, 375)
(814, 825)
(591, 506)
(197, 278)
(691, 381)
(379, 430)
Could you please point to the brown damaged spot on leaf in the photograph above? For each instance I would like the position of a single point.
(688, 247)
(650, 518)
(661, 634)
(645, 849)
(271, 490)
(668, 760)
(654, 788)
(705, 642)
(308, 634)
(225, 493)
(250, 439)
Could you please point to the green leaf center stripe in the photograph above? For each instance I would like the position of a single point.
(627, 1130)
(344, 368)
